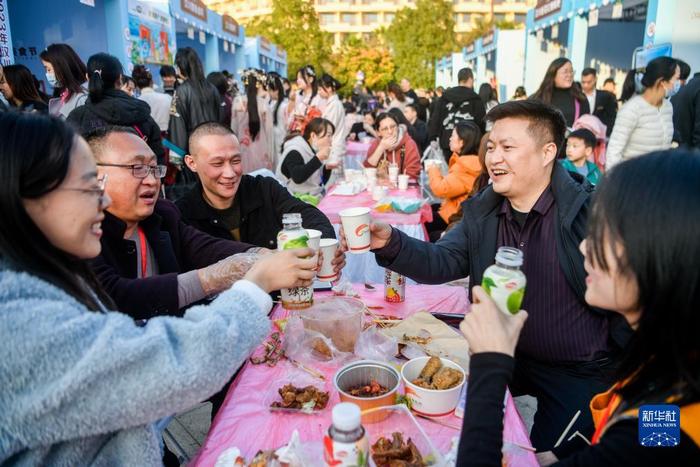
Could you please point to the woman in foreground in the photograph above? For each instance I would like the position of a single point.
(641, 257)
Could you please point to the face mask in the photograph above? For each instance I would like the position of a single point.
(51, 79)
(671, 92)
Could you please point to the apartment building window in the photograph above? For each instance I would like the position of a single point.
(327, 18)
(519, 18)
(500, 17)
(388, 17)
(370, 19)
(348, 18)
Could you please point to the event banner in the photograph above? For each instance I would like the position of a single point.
(6, 53)
(151, 34)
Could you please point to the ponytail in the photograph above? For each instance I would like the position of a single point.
(661, 68)
(629, 87)
(328, 82)
(104, 71)
(251, 91)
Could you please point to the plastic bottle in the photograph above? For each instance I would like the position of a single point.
(346, 442)
(504, 281)
(293, 236)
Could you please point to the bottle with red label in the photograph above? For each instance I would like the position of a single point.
(504, 281)
(346, 442)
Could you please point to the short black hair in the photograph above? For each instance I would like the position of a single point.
(587, 136)
(97, 137)
(167, 70)
(413, 105)
(685, 69)
(608, 80)
(546, 123)
(465, 74)
(589, 71)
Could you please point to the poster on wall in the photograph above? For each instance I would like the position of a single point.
(151, 34)
(6, 52)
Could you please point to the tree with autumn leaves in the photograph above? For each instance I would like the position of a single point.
(370, 57)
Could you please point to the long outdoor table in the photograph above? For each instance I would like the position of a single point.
(363, 268)
(245, 422)
(355, 154)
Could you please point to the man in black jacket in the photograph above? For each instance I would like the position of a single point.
(457, 103)
(420, 127)
(566, 348)
(229, 205)
(601, 103)
(686, 114)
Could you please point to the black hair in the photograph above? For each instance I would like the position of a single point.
(307, 72)
(274, 81)
(685, 69)
(349, 107)
(487, 93)
(286, 81)
(21, 81)
(413, 106)
(465, 74)
(546, 124)
(661, 68)
(608, 80)
(142, 76)
(589, 71)
(520, 92)
(399, 116)
(167, 70)
(318, 126)
(659, 191)
(470, 134)
(328, 82)
(104, 71)
(544, 93)
(190, 66)
(251, 92)
(587, 136)
(34, 159)
(395, 89)
(69, 69)
(383, 116)
(218, 79)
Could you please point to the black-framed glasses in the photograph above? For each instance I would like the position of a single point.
(99, 191)
(141, 170)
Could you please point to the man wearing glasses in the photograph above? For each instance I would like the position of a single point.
(151, 262)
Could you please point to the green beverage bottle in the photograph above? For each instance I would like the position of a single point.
(294, 236)
(504, 281)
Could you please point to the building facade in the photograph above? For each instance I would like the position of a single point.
(344, 18)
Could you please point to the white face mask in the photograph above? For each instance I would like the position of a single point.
(672, 92)
(51, 79)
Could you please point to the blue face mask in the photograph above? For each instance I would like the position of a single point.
(672, 92)
(51, 79)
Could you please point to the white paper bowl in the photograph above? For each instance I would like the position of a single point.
(431, 402)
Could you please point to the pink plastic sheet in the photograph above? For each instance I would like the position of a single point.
(331, 205)
(245, 422)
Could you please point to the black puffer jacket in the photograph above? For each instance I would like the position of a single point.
(194, 105)
(457, 103)
(118, 108)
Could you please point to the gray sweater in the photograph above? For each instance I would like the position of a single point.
(85, 388)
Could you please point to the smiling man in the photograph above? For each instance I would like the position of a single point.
(533, 204)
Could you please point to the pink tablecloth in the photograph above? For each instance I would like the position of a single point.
(245, 422)
(331, 205)
(355, 154)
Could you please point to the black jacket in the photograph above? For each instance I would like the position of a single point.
(420, 135)
(194, 105)
(686, 114)
(177, 248)
(605, 109)
(263, 201)
(464, 104)
(469, 248)
(119, 108)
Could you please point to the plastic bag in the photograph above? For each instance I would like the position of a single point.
(344, 287)
(311, 347)
(373, 345)
(432, 155)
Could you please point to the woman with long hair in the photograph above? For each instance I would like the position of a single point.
(222, 84)
(67, 74)
(251, 121)
(195, 101)
(17, 85)
(108, 105)
(645, 122)
(279, 107)
(304, 165)
(334, 112)
(397, 99)
(81, 383)
(393, 146)
(641, 257)
(559, 91)
(488, 96)
(308, 104)
(464, 169)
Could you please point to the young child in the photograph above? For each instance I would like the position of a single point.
(579, 148)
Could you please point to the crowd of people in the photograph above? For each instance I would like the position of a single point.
(138, 244)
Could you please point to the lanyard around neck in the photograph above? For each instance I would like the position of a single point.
(144, 252)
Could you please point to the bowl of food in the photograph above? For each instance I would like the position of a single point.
(369, 384)
(337, 318)
(433, 385)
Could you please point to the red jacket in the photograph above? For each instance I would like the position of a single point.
(411, 164)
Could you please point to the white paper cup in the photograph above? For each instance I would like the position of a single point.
(371, 172)
(403, 182)
(314, 238)
(379, 192)
(356, 226)
(371, 184)
(393, 173)
(328, 248)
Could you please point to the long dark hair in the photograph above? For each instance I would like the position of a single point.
(395, 89)
(660, 192)
(307, 72)
(328, 82)
(34, 160)
(487, 93)
(69, 69)
(274, 82)
(660, 68)
(544, 93)
(251, 92)
(470, 134)
(21, 81)
(190, 66)
(218, 79)
(104, 71)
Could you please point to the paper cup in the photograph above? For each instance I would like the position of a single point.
(370, 172)
(393, 173)
(356, 226)
(403, 182)
(328, 248)
(379, 192)
(371, 183)
(314, 238)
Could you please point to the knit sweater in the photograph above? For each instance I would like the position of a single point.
(640, 128)
(85, 388)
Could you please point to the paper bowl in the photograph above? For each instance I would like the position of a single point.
(360, 373)
(430, 402)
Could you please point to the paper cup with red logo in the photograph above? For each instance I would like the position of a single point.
(328, 248)
(356, 226)
(314, 239)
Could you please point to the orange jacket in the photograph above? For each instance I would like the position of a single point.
(456, 185)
